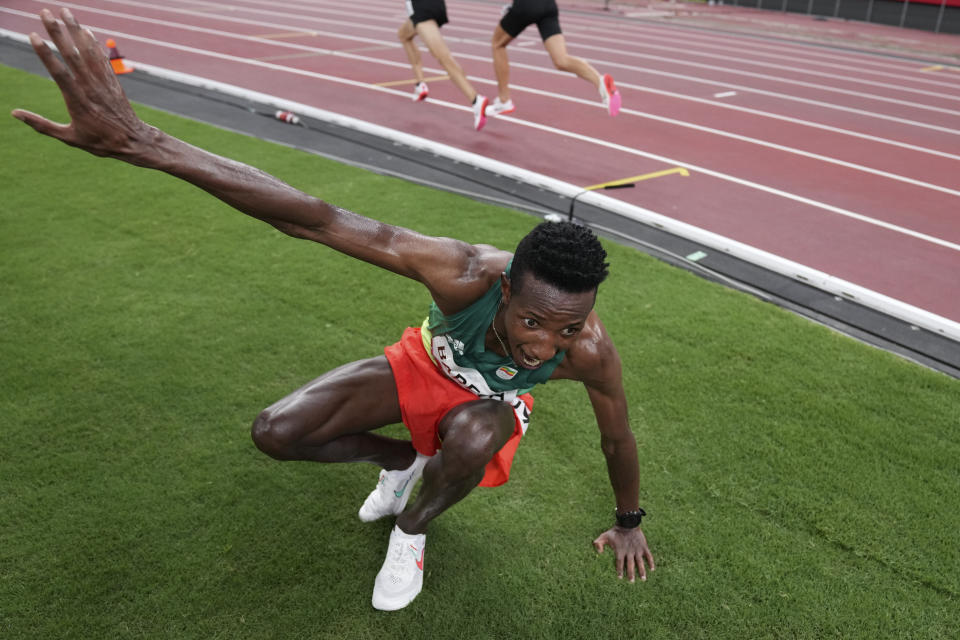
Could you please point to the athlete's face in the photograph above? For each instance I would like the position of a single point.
(541, 320)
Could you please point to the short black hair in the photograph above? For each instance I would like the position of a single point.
(563, 254)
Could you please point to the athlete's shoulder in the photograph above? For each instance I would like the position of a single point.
(592, 358)
(593, 343)
(479, 270)
(489, 262)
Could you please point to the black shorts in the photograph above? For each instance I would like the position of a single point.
(423, 10)
(522, 13)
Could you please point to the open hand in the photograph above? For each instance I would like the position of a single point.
(101, 118)
(631, 551)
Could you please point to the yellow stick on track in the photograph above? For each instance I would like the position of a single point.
(646, 176)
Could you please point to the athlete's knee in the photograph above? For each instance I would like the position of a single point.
(406, 31)
(474, 433)
(272, 434)
(563, 62)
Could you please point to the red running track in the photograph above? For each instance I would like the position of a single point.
(844, 162)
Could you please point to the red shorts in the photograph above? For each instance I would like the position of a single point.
(426, 395)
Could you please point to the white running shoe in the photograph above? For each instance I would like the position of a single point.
(502, 108)
(392, 492)
(401, 576)
(610, 95)
(420, 92)
(480, 104)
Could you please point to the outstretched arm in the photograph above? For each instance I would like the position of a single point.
(103, 123)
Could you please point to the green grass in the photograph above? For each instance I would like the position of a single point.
(800, 484)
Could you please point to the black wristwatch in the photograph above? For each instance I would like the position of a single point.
(630, 519)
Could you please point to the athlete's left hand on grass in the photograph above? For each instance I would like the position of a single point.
(631, 550)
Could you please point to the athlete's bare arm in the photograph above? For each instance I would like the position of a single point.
(104, 124)
(593, 360)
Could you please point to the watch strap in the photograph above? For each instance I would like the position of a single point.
(629, 519)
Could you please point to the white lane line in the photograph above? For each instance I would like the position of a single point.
(792, 120)
(798, 152)
(714, 69)
(780, 96)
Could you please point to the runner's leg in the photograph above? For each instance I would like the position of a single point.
(429, 32)
(471, 434)
(501, 62)
(556, 46)
(406, 34)
(328, 419)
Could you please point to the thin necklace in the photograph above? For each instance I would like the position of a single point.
(493, 325)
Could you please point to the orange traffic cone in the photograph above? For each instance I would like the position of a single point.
(116, 60)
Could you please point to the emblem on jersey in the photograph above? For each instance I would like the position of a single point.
(506, 373)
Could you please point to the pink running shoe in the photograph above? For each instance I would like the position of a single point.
(420, 92)
(480, 112)
(610, 95)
